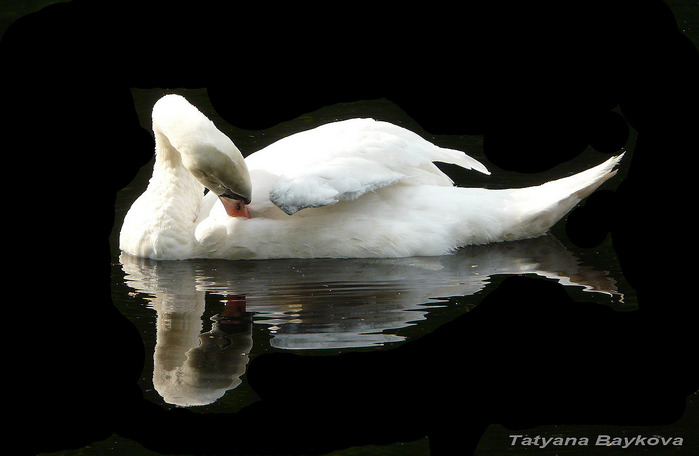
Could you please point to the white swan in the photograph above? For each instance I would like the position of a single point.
(355, 188)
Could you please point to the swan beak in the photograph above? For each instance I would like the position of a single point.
(235, 207)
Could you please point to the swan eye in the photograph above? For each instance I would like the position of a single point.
(238, 206)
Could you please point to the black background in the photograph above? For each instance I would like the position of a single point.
(538, 81)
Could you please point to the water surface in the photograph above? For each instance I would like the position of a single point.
(203, 320)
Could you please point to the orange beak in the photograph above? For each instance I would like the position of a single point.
(235, 207)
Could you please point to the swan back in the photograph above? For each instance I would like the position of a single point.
(341, 161)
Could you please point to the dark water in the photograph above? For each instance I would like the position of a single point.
(202, 321)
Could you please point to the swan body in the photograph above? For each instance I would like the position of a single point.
(351, 189)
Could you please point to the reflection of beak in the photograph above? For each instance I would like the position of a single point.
(235, 207)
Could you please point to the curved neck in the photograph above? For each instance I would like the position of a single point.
(172, 200)
(172, 180)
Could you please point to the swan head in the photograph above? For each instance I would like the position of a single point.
(208, 154)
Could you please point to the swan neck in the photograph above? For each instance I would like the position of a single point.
(166, 156)
(169, 169)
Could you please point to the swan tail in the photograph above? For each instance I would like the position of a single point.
(537, 209)
(582, 184)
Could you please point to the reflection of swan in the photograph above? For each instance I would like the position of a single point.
(191, 367)
(320, 304)
(357, 188)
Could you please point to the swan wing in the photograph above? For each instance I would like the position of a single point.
(343, 160)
